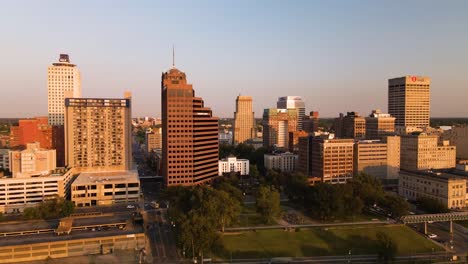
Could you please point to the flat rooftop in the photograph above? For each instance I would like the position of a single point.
(434, 175)
(104, 177)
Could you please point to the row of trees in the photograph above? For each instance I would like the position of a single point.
(338, 201)
(57, 207)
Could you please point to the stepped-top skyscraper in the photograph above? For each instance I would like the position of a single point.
(63, 78)
(243, 120)
(293, 102)
(189, 133)
(409, 101)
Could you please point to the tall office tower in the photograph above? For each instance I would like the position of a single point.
(293, 102)
(277, 123)
(243, 120)
(63, 78)
(350, 126)
(98, 134)
(311, 122)
(189, 133)
(425, 152)
(409, 101)
(379, 125)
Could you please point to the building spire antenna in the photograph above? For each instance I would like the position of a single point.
(173, 56)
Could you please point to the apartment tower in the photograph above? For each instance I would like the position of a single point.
(63, 79)
(189, 133)
(98, 134)
(243, 120)
(409, 101)
(293, 102)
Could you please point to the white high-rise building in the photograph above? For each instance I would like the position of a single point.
(293, 102)
(63, 80)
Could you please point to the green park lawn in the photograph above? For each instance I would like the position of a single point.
(321, 242)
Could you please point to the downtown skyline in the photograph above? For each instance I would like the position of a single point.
(265, 51)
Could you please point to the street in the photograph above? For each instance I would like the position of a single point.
(161, 237)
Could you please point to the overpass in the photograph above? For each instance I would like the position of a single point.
(431, 218)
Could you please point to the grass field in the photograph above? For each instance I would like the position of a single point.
(321, 242)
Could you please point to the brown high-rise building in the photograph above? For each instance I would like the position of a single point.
(409, 101)
(379, 125)
(326, 159)
(332, 160)
(189, 133)
(350, 126)
(277, 123)
(98, 134)
(243, 120)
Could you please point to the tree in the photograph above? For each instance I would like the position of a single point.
(268, 203)
(395, 204)
(140, 136)
(228, 208)
(30, 213)
(225, 150)
(253, 172)
(223, 184)
(386, 247)
(296, 187)
(368, 188)
(274, 177)
(199, 212)
(431, 205)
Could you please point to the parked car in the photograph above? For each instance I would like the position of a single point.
(130, 206)
(432, 236)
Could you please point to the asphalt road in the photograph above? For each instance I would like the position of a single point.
(442, 230)
(161, 237)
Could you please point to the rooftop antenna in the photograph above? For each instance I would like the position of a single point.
(173, 56)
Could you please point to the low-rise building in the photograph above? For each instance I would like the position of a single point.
(378, 158)
(153, 139)
(233, 164)
(449, 189)
(286, 162)
(16, 194)
(426, 152)
(32, 161)
(370, 157)
(458, 136)
(105, 188)
(379, 125)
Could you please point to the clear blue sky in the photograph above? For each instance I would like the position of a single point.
(338, 55)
